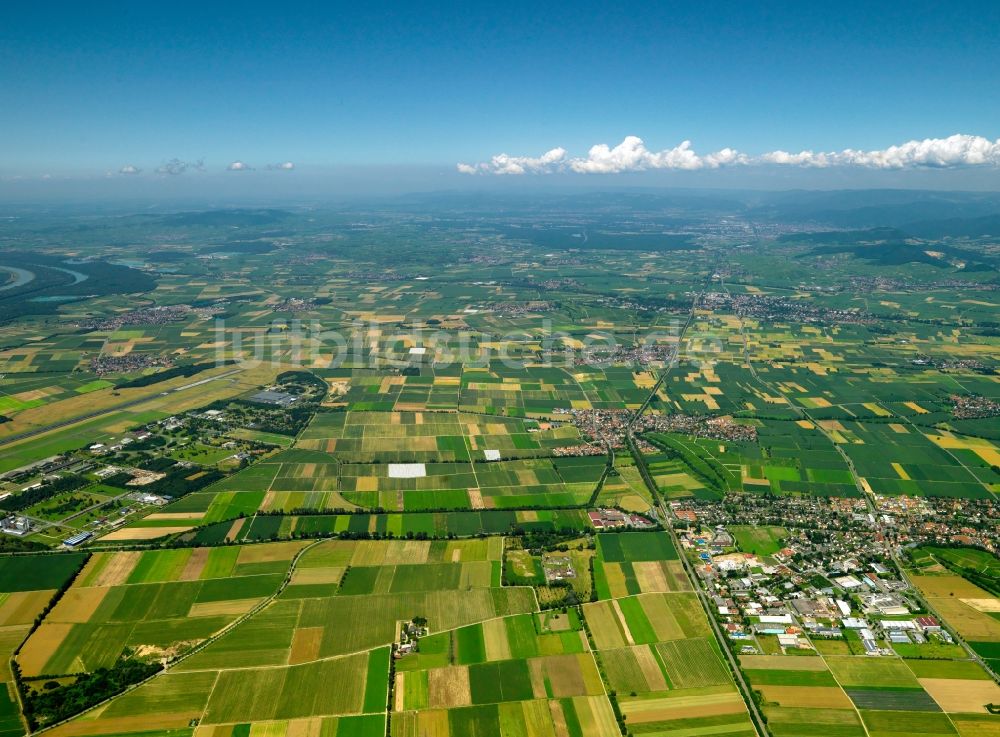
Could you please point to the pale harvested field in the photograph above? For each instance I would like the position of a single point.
(21, 607)
(78, 605)
(123, 725)
(317, 575)
(399, 692)
(312, 727)
(650, 669)
(143, 533)
(658, 612)
(651, 577)
(235, 529)
(558, 719)
(195, 564)
(116, 570)
(595, 715)
(682, 707)
(406, 551)
(948, 586)
(305, 644)
(970, 623)
(176, 515)
(626, 632)
(616, 579)
(961, 695)
(987, 606)
(831, 697)
(40, 647)
(604, 626)
(269, 552)
(495, 636)
(781, 662)
(565, 675)
(448, 687)
(231, 608)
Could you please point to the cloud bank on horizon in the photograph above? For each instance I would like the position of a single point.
(631, 155)
(176, 167)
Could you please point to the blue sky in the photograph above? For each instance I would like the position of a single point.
(89, 88)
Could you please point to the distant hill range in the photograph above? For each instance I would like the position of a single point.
(893, 247)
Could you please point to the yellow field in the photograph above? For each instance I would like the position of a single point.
(77, 605)
(43, 643)
(317, 575)
(660, 576)
(305, 644)
(962, 605)
(123, 725)
(143, 533)
(21, 607)
(818, 697)
(708, 702)
(448, 687)
(495, 637)
(108, 569)
(962, 695)
(219, 608)
(660, 616)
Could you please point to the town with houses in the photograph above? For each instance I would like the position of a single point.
(831, 572)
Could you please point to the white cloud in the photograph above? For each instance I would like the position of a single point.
(953, 151)
(129, 169)
(632, 155)
(238, 166)
(503, 164)
(283, 166)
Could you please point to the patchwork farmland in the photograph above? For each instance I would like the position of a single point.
(556, 471)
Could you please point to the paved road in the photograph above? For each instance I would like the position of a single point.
(667, 518)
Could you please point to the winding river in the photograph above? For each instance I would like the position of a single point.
(21, 277)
